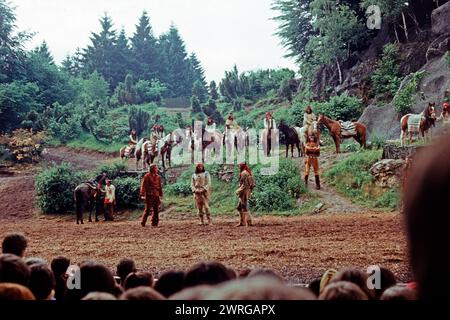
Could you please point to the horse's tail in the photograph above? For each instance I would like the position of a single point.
(78, 200)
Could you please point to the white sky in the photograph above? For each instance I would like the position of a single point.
(221, 32)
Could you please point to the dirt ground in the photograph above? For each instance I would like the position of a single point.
(299, 248)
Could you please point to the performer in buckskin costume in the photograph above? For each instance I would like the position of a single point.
(246, 186)
(308, 119)
(312, 150)
(151, 192)
(201, 188)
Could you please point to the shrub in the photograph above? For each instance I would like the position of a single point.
(127, 192)
(182, 189)
(404, 99)
(271, 198)
(386, 78)
(112, 170)
(342, 107)
(24, 146)
(55, 187)
(389, 199)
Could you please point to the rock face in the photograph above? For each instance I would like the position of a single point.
(388, 172)
(440, 19)
(391, 151)
(381, 121)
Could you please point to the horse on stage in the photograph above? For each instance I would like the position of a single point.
(85, 196)
(418, 123)
(292, 138)
(344, 130)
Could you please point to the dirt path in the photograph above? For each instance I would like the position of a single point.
(300, 248)
(84, 160)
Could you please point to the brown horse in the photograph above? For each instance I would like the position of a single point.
(418, 123)
(336, 132)
(292, 139)
(85, 196)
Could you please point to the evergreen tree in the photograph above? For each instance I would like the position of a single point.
(195, 104)
(73, 65)
(99, 55)
(145, 50)
(122, 55)
(199, 91)
(176, 72)
(213, 90)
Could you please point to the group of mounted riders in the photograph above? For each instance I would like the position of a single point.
(305, 138)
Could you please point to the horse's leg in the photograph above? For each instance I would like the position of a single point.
(298, 149)
(292, 150)
(287, 150)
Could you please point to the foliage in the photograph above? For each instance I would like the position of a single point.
(16, 100)
(55, 187)
(127, 192)
(138, 119)
(210, 109)
(24, 145)
(195, 104)
(213, 90)
(285, 90)
(112, 170)
(387, 77)
(150, 91)
(404, 98)
(271, 198)
(182, 189)
(64, 122)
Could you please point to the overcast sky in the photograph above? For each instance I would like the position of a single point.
(221, 32)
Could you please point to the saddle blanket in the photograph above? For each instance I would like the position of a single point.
(348, 128)
(414, 123)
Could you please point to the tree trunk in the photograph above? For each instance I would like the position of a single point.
(339, 70)
(405, 28)
(396, 34)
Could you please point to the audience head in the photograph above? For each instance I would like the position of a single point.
(60, 265)
(124, 268)
(265, 272)
(14, 243)
(14, 270)
(343, 290)
(355, 276)
(142, 294)
(14, 292)
(259, 288)
(97, 296)
(399, 293)
(209, 273)
(314, 286)
(326, 278)
(387, 280)
(35, 260)
(138, 279)
(426, 211)
(42, 281)
(170, 283)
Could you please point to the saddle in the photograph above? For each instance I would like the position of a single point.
(348, 128)
(414, 122)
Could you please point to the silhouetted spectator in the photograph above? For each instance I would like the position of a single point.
(14, 270)
(97, 296)
(14, 292)
(355, 276)
(387, 280)
(42, 282)
(59, 267)
(399, 293)
(314, 286)
(343, 290)
(427, 215)
(170, 283)
(265, 272)
(207, 273)
(15, 243)
(142, 294)
(124, 268)
(35, 260)
(138, 279)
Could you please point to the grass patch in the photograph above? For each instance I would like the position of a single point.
(88, 142)
(353, 179)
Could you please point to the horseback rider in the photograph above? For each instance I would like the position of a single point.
(308, 119)
(132, 141)
(231, 123)
(312, 150)
(210, 126)
(269, 125)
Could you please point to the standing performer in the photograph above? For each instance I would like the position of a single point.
(210, 126)
(445, 115)
(231, 123)
(201, 188)
(246, 186)
(110, 200)
(151, 192)
(312, 150)
(269, 125)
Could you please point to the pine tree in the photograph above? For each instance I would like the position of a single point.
(145, 50)
(213, 90)
(99, 55)
(177, 65)
(195, 104)
(122, 56)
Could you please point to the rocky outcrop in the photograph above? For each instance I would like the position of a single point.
(381, 121)
(391, 151)
(388, 172)
(440, 19)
